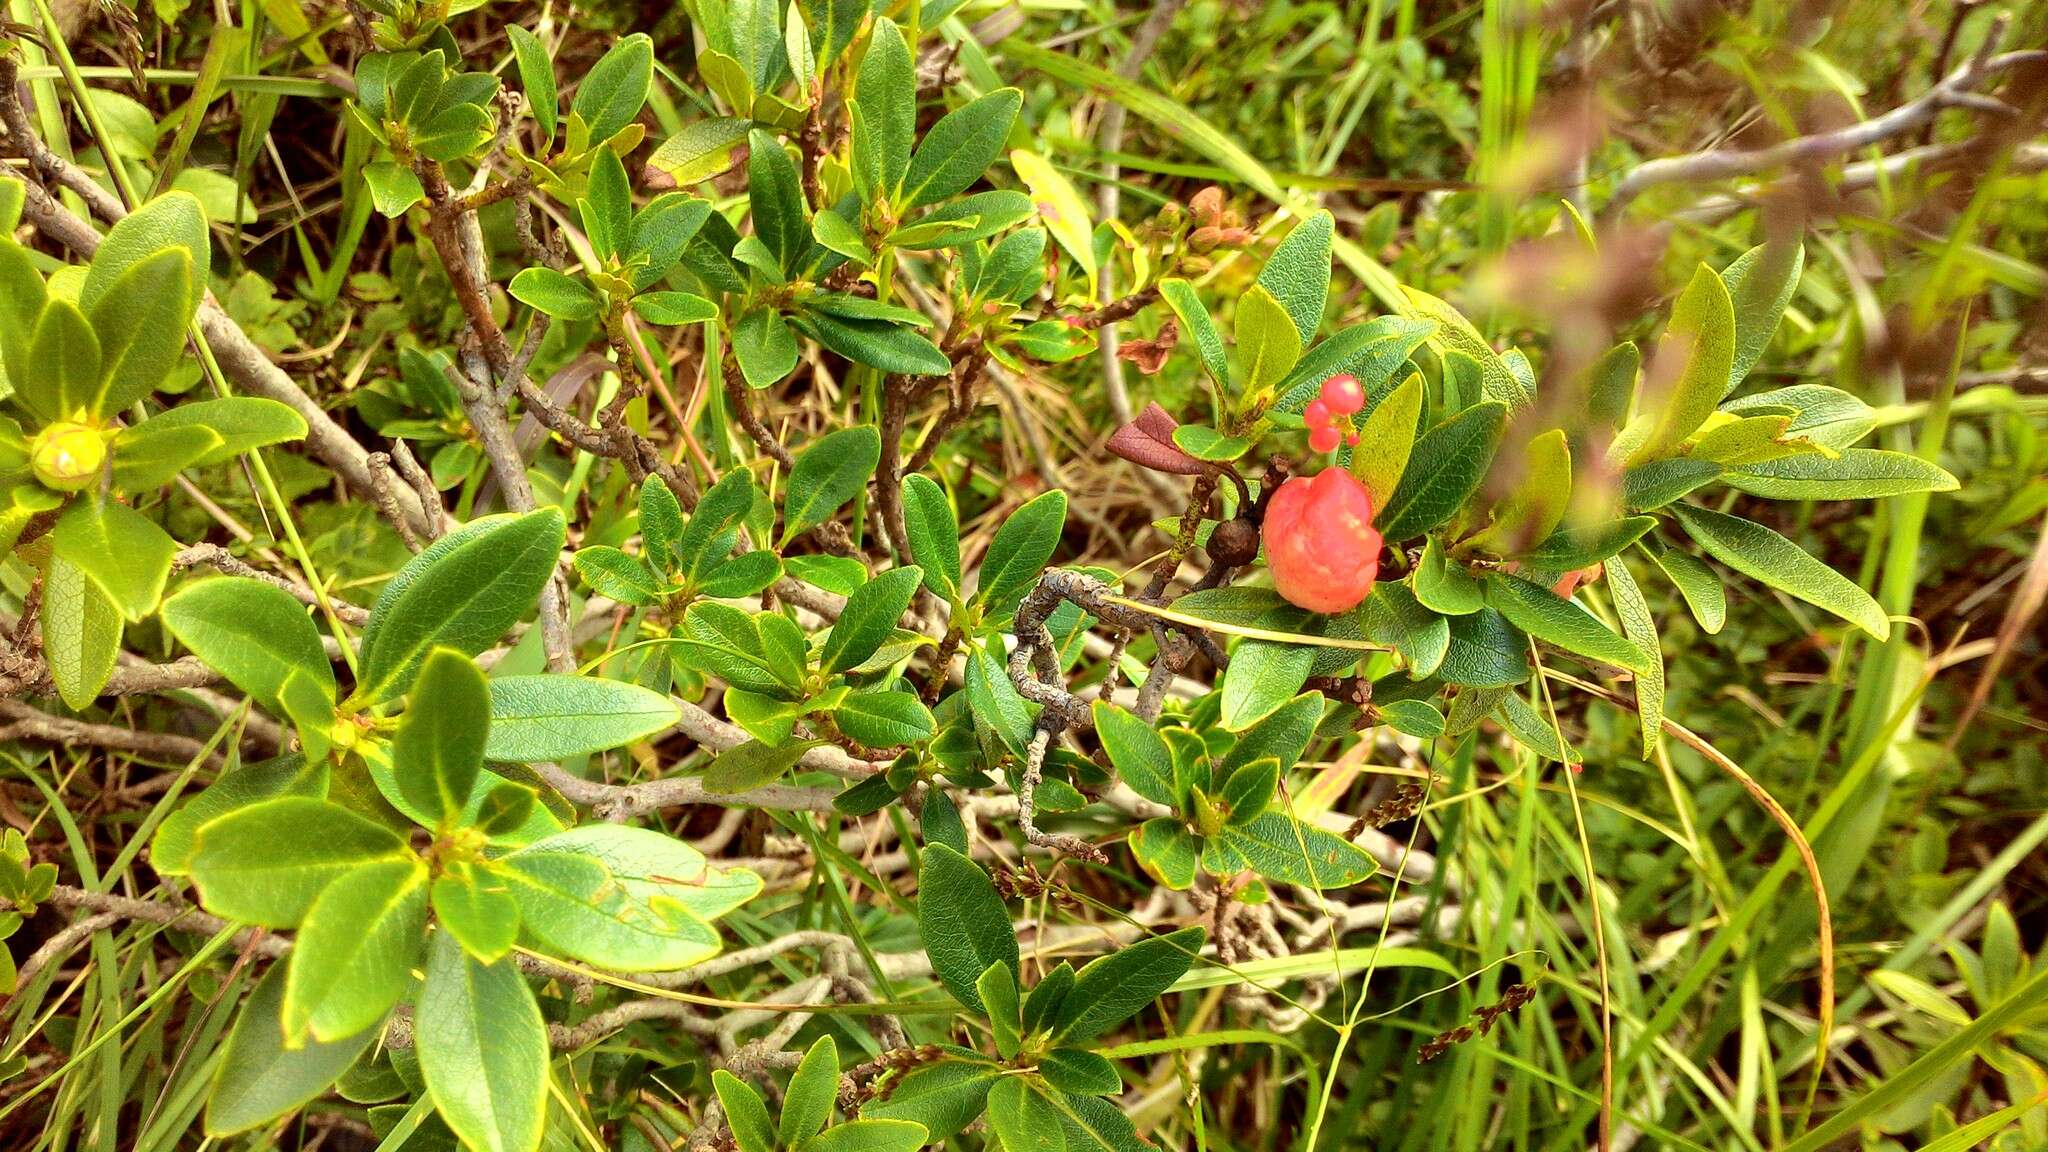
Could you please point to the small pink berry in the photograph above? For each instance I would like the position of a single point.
(1317, 414)
(1343, 395)
(1351, 440)
(1324, 439)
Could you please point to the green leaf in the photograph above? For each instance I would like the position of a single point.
(776, 200)
(1694, 354)
(753, 765)
(1377, 352)
(394, 188)
(1497, 383)
(1445, 469)
(65, 354)
(1534, 730)
(1485, 652)
(1611, 385)
(172, 220)
(765, 347)
(1385, 440)
(554, 717)
(994, 701)
(416, 88)
(267, 862)
(1827, 416)
(871, 1136)
(1760, 284)
(1547, 616)
(462, 592)
(1280, 847)
(659, 235)
(878, 344)
(658, 869)
(259, 1078)
(944, 1097)
(1020, 551)
(242, 423)
(614, 574)
(1262, 675)
(1206, 443)
(813, 1090)
(483, 1049)
(1137, 752)
(745, 1114)
(253, 633)
(474, 905)
(1268, 344)
(869, 617)
(885, 112)
(1639, 624)
(613, 91)
(439, 747)
(555, 293)
(1397, 617)
(146, 456)
(832, 471)
(1417, 718)
(1697, 582)
(572, 905)
(832, 231)
(960, 222)
(1761, 554)
(355, 949)
(171, 848)
(453, 133)
(1446, 585)
(1111, 989)
(22, 295)
(963, 923)
(1023, 1119)
(140, 323)
(1856, 474)
(1298, 273)
(741, 576)
(1652, 485)
(998, 989)
(536, 77)
(1057, 203)
(934, 534)
(122, 551)
(673, 308)
(1080, 1071)
(959, 148)
(885, 719)
(701, 150)
(661, 522)
(1572, 548)
(1536, 505)
(1200, 326)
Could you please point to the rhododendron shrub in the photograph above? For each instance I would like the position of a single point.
(567, 663)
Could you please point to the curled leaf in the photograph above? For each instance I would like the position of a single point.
(1148, 442)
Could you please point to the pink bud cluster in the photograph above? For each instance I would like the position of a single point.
(1341, 399)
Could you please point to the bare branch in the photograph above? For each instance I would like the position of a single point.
(1956, 90)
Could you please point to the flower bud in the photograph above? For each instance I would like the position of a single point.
(1320, 542)
(68, 457)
